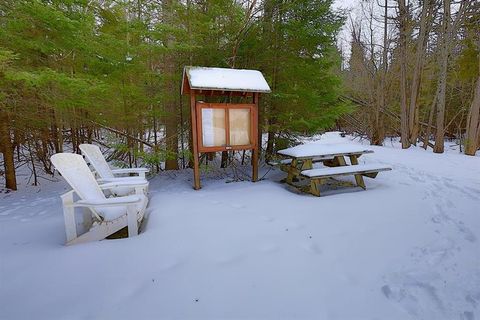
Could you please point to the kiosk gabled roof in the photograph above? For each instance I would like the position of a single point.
(223, 79)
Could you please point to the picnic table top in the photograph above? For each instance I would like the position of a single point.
(311, 150)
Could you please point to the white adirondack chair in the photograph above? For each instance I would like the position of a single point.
(102, 216)
(106, 174)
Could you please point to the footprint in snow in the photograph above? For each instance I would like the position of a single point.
(449, 203)
(439, 208)
(6, 212)
(437, 252)
(416, 179)
(294, 226)
(228, 260)
(473, 190)
(267, 219)
(462, 190)
(169, 264)
(473, 299)
(468, 315)
(268, 248)
(443, 218)
(415, 293)
(469, 235)
(312, 248)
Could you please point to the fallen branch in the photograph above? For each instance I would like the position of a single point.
(123, 134)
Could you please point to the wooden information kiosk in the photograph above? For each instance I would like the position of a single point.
(223, 126)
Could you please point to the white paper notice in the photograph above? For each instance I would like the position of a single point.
(213, 127)
(207, 127)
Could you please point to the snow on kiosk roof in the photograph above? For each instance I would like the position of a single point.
(223, 79)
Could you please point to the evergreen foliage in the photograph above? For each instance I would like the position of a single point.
(71, 69)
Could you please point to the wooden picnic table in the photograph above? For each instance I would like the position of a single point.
(301, 158)
(332, 155)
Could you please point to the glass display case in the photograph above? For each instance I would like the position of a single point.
(224, 126)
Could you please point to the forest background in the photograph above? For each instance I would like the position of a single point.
(109, 72)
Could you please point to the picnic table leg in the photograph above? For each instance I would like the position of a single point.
(307, 164)
(360, 182)
(315, 187)
(340, 161)
(353, 160)
(291, 173)
(358, 177)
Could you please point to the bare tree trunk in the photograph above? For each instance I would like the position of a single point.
(42, 151)
(473, 123)
(56, 132)
(426, 139)
(403, 73)
(32, 162)
(268, 116)
(270, 140)
(7, 149)
(155, 141)
(417, 75)
(442, 81)
(379, 129)
(171, 163)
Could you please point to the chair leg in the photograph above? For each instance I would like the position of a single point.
(132, 221)
(69, 216)
(87, 218)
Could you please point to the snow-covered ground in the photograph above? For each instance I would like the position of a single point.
(407, 248)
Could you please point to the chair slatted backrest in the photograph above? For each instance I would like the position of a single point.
(75, 171)
(97, 160)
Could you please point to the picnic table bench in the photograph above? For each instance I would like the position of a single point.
(300, 159)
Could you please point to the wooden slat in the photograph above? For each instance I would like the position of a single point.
(352, 172)
(254, 127)
(196, 165)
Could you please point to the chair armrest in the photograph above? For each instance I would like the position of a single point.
(135, 180)
(124, 183)
(108, 202)
(130, 170)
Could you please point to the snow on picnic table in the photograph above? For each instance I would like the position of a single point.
(406, 248)
(323, 150)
